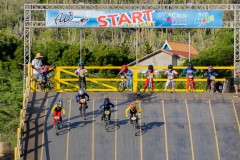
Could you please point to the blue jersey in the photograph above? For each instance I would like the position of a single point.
(106, 107)
(128, 73)
(78, 96)
(189, 71)
(209, 74)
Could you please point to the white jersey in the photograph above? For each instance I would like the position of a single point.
(171, 75)
(37, 63)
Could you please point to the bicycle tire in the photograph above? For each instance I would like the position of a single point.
(149, 85)
(212, 86)
(121, 86)
(107, 125)
(57, 127)
(191, 86)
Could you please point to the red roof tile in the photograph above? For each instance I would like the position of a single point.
(182, 46)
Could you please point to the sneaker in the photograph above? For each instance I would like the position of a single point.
(85, 118)
(54, 126)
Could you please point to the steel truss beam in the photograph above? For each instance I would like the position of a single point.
(236, 39)
(32, 11)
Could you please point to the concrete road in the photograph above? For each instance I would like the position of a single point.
(172, 126)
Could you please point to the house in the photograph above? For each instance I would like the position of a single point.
(171, 53)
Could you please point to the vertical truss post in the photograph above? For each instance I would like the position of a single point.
(236, 38)
(27, 49)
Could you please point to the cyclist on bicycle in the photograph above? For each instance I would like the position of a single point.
(45, 73)
(128, 74)
(106, 105)
(133, 109)
(170, 74)
(56, 111)
(81, 73)
(209, 74)
(81, 95)
(149, 73)
(190, 71)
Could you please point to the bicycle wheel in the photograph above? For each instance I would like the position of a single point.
(83, 85)
(150, 86)
(212, 86)
(57, 127)
(121, 86)
(107, 125)
(49, 86)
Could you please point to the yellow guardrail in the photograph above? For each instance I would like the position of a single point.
(18, 149)
(70, 86)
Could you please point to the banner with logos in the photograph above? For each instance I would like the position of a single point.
(134, 18)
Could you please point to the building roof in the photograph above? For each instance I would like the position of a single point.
(180, 54)
(179, 46)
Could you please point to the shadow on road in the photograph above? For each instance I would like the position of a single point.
(143, 128)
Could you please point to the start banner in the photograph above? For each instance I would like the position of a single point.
(134, 18)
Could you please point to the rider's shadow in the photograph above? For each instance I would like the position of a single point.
(64, 128)
(143, 128)
(94, 114)
(81, 123)
(122, 122)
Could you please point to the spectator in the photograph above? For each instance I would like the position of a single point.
(237, 80)
(37, 67)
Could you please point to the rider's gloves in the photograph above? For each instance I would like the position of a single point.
(87, 99)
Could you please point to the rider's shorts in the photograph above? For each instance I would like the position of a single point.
(37, 76)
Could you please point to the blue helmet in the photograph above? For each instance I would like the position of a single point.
(80, 64)
(190, 65)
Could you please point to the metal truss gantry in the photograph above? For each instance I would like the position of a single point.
(32, 19)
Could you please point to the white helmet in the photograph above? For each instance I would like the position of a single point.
(60, 103)
(81, 92)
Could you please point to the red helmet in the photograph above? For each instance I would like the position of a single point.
(124, 67)
(47, 67)
(132, 105)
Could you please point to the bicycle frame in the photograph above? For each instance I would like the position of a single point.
(121, 86)
(106, 118)
(134, 119)
(171, 84)
(191, 83)
(212, 83)
(57, 124)
(82, 107)
(150, 84)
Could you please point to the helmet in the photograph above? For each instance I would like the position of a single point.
(210, 68)
(80, 64)
(60, 103)
(132, 105)
(170, 66)
(47, 67)
(124, 67)
(190, 65)
(150, 67)
(81, 92)
(106, 100)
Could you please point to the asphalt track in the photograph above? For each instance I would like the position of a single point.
(172, 126)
